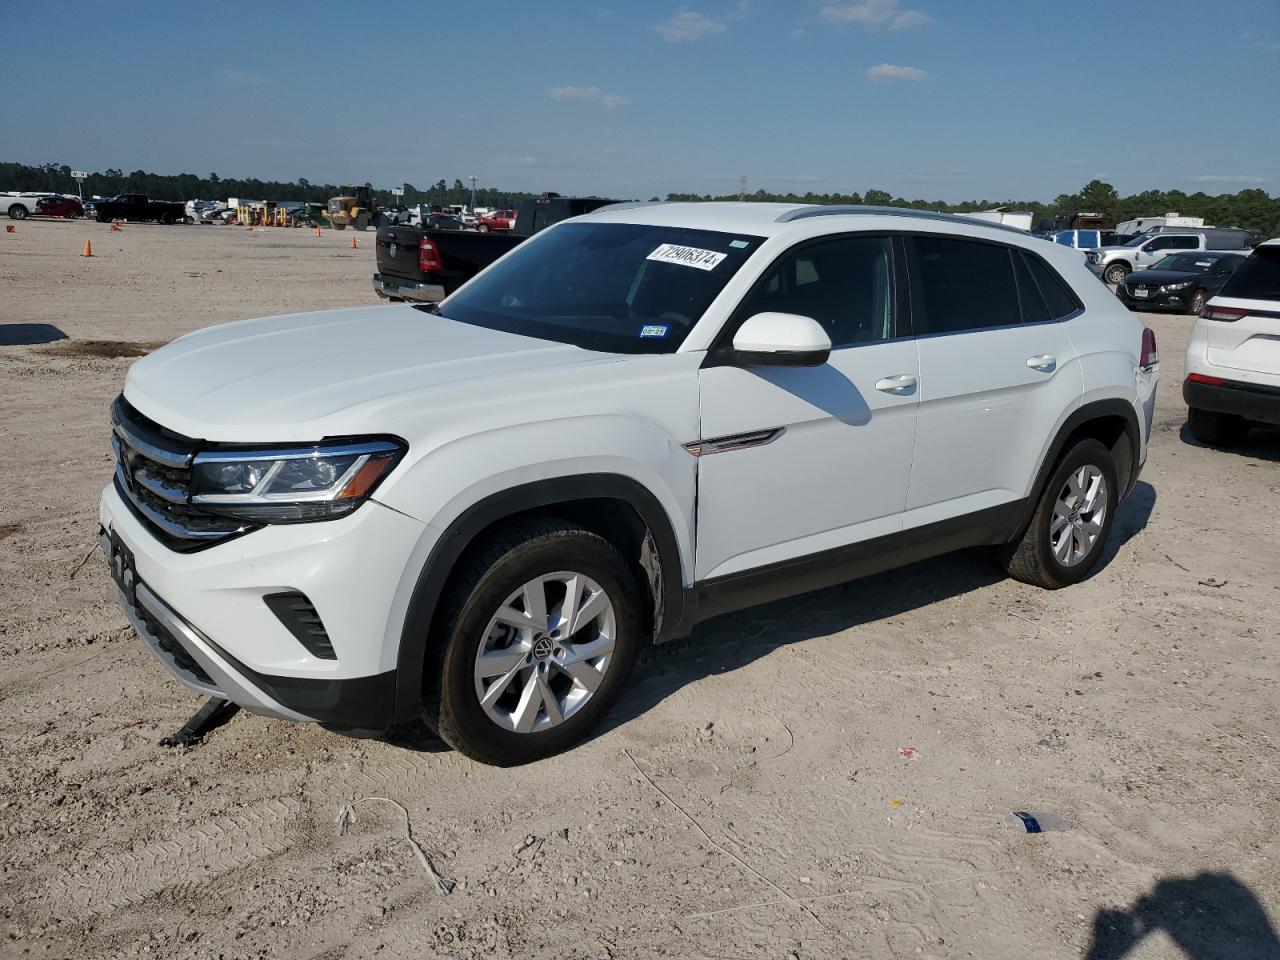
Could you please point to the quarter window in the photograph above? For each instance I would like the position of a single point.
(1059, 299)
(964, 285)
(846, 284)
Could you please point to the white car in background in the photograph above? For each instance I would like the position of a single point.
(476, 512)
(1233, 360)
(19, 206)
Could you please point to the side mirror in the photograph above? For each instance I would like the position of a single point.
(781, 340)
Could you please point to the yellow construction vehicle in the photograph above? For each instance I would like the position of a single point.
(357, 208)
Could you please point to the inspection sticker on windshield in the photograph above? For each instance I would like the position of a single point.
(654, 330)
(687, 256)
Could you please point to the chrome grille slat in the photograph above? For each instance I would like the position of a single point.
(153, 474)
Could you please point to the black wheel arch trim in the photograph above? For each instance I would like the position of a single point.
(1094, 410)
(415, 634)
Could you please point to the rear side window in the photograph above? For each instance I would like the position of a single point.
(1057, 296)
(846, 284)
(1258, 278)
(964, 285)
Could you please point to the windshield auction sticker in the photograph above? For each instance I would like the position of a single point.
(687, 256)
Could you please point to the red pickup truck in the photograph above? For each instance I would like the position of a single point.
(500, 221)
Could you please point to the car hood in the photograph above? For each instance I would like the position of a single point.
(1157, 277)
(315, 375)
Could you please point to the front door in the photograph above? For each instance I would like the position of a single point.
(797, 460)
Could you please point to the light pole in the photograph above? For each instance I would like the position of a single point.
(473, 194)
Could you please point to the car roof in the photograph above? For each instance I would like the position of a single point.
(770, 219)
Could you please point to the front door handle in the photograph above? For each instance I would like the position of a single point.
(1045, 363)
(903, 383)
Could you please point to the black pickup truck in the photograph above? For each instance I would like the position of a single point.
(135, 207)
(426, 265)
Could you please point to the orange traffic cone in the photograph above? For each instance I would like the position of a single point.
(88, 250)
(317, 231)
(116, 226)
(353, 243)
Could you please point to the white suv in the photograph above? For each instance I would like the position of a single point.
(1233, 359)
(476, 512)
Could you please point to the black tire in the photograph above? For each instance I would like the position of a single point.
(340, 226)
(1197, 302)
(483, 228)
(361, 221)
(1217, 429)
(1031, 558)
(17, 212)
(484, 580)
(1115, 272)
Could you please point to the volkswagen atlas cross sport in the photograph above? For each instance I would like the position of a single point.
(476, 512)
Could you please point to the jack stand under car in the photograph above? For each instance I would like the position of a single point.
(208, 718)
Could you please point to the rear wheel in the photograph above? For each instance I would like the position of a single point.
(362, 221)
(540, 630)
(168, 219)
(1069, 529)
(1197, 302)
(17, 212)
(1217, 429)
(103, 218)
(1115, 273)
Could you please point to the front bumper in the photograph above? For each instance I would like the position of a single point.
(407, 289)
(1252, 401)
(204, 616)
(1178, 300)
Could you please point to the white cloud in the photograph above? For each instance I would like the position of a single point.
(1229, 178)
(894, 73)
(590, 95)
(243, 78)
(689, 25)
(875, 15)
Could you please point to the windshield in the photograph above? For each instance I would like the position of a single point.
(1185, 263)
(615, 287)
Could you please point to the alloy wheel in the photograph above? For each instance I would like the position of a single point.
(1078, 515)
(545, 652)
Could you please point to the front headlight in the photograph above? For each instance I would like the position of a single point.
(1176, 286)
(292, 485)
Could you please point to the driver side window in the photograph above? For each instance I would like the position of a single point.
(845, 284)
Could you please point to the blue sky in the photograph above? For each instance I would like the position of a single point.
(942, 99)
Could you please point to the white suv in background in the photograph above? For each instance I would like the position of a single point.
(1233, 359)
(476, 512)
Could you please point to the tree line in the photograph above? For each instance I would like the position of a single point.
(1252, 209)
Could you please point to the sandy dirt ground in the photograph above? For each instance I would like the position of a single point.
(827, 776)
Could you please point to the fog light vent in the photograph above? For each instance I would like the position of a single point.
(299, 616)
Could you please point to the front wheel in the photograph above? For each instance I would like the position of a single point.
(483, 228)
(1069, 529)
(540, 631)
(362, 221)
(17, 212)
(1115, 273)
(103, 218)
(1217, 429)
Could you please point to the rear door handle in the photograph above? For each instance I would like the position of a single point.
(903, 383)
(1045, 363)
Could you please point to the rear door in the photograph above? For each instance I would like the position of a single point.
(997, 370)
(795, 461)
(1242, 323)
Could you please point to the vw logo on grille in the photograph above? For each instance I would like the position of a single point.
(393, 250)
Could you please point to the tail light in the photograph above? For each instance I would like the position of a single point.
(1223, 314)
(428, 256)
(1150, 352)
